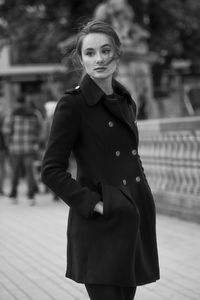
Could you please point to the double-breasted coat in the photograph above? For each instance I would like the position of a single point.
(118, 247)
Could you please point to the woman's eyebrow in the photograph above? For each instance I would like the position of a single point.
(90, 48)
(106, 45)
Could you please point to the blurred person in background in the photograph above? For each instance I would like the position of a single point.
(49, 109)
(111, 232)
(3, 152)
(38, 150)
(142, 113)
(22, 128)
(46, 127)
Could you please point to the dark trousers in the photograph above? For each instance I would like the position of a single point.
(108, 292)
(18, 162)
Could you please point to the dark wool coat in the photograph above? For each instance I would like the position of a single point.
(118, 247)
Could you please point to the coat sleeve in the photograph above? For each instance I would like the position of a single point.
(63, 135)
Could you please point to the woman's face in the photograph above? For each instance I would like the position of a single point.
(98, 56)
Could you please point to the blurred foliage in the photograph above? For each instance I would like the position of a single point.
(175, 26)
(35, 27)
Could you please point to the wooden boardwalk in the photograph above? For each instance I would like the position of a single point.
(32, 255)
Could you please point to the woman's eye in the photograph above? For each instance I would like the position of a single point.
(89, 53)
(106, 51)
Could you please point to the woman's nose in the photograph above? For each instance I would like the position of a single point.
(99, 58)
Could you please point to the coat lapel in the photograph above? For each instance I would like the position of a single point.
(93, 94)
(115, 109)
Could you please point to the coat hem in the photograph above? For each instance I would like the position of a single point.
(85, 281)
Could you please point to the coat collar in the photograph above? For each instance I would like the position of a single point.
(93, 93)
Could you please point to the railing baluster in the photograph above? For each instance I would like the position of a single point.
(170, 151)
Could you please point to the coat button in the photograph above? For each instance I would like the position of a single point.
(134, 152)
(138, 179)
(124, 181)
(117, 153)
(110, 124)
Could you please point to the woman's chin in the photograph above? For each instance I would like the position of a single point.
(101, 75)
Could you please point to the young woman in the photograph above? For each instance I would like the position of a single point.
(111, 225)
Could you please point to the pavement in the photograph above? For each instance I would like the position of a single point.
(33, 254)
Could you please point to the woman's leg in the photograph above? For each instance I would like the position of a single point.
(29, 169)
(107, 292)
(129, 293)
(104, 292)
(16, 163)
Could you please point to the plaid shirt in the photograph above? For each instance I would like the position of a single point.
(2, 139)
(22, 129)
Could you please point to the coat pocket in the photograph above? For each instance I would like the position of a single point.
(117, 202)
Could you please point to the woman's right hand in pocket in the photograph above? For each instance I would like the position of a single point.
(99, 207)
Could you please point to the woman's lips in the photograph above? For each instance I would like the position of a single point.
(100, 69)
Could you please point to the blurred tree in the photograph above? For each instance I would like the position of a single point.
(35, 27)
(174, 26)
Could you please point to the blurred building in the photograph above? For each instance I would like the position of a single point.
(40, 82)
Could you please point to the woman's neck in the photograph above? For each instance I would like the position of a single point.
(105, 85)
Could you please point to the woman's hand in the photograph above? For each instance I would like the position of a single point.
(99, 207)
